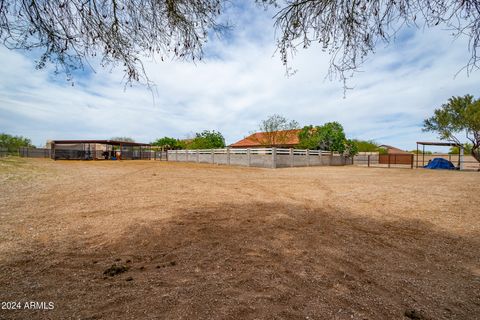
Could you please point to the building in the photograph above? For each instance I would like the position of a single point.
(279, 139)
(393, 150)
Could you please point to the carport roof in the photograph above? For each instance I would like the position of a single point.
(448, 144)
(109, 142)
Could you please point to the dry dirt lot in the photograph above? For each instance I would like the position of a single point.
(216, 242)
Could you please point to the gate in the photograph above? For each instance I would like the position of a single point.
(396, 159)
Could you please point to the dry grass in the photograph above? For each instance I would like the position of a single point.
(216, 242)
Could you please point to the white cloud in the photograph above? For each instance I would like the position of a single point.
(399, 86)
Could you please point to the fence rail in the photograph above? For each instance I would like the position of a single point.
(260, 157)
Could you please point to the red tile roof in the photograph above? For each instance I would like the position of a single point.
(283, 138)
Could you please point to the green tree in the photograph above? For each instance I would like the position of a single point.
(329, 137)
(460, 115)
(13, 143)
(207, 140)
(467, 147)
(351, 148)
(167, 143)
(123, 139)
(366, 145)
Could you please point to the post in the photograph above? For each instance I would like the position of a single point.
(228, 156)
(368, 160)
(186, 155)
(417, 155)
(212, 151)
(249, 157)
(423, 156)
(274, 157)
(176, 155)
(198, 155)
(307, 154)
(389, 160)
(292, 157)
(461, 158)
(411, 163)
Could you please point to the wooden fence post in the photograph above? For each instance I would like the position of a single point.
(368, 160)
(307, 154)
(228, 156)
(249, 157)
(198, 156)
(212, 151)
(176, 155)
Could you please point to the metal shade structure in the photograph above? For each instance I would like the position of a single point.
(99, 149)
(440, 144)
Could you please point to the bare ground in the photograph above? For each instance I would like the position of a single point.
(217, 242)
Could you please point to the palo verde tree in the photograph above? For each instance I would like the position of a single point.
(122, 32)
(276, 130)
(459, 116)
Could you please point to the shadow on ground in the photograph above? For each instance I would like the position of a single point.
(257, 260)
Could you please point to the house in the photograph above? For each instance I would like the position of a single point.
(279, 139)
(393, 150)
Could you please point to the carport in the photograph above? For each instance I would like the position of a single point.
(99, 150)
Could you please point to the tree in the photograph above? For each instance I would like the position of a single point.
(460, 115)
(366, 145)
(122, 32)
(167, 143)
(351, 148)
(350, 30)
(119, 32)
(123, 139)
(207, 140)
(13, 143)
(467, 147)
(276, 130)
(329, 137)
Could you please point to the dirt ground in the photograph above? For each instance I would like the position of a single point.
(193, 241)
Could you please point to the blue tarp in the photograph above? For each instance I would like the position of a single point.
(440, 163)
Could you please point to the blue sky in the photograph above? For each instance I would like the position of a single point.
(241, 82)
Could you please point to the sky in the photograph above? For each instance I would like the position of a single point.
(241, 82)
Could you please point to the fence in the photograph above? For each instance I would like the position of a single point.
(34, 152)
(3, 152)
(374, 159)
(260, 157)
(76, 154)
(469, 162)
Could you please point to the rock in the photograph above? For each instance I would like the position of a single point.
(114, 270)
(414, 314)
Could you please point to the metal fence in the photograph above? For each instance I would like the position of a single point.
(412, 160)
(34, 152)
(76, 154)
